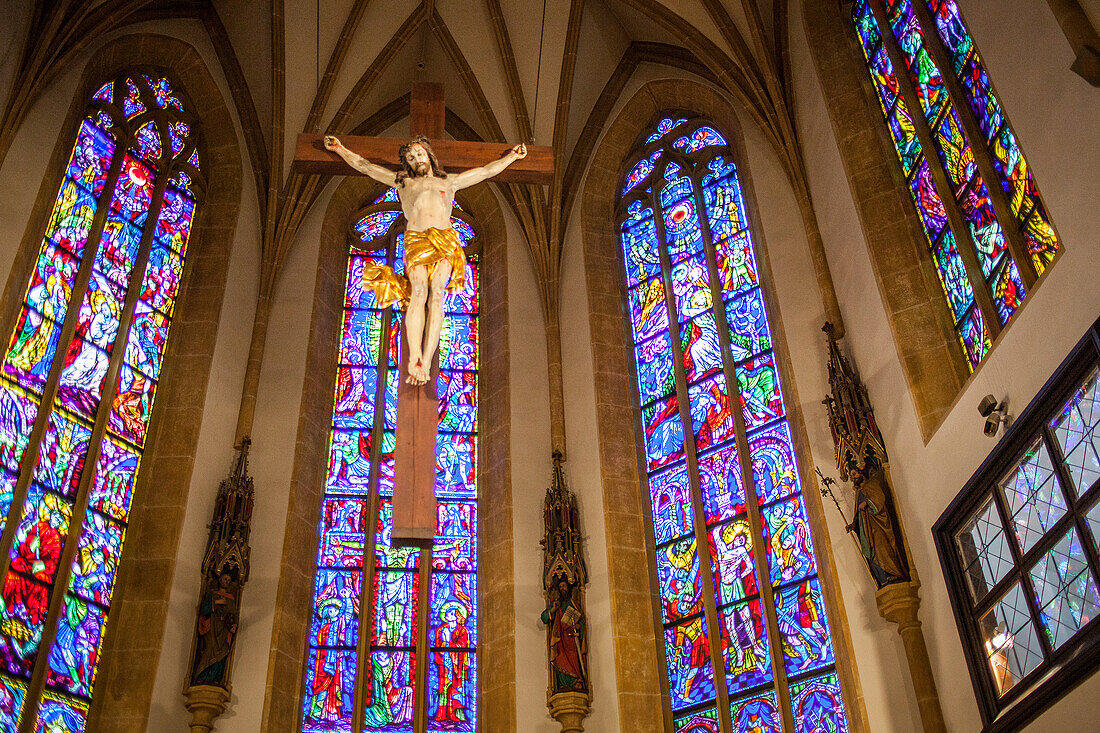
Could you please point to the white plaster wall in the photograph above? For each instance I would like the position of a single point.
(1055, 115)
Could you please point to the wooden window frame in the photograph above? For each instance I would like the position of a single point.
(1063, 668)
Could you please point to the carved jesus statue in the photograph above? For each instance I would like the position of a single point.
(434, 259)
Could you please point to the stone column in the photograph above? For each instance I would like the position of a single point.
(898, 603)
(205, 703)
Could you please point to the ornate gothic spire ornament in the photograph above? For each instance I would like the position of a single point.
(861, 457)
(225, 569)
(564, 577)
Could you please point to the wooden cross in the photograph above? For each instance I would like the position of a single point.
(414, 503)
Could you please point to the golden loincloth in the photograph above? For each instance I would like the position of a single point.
(422, 249)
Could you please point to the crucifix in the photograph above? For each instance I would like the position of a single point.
(434, 261)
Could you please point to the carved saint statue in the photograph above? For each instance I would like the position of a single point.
(873, 524)
(434, 260)
(219, 610)
(568, 641)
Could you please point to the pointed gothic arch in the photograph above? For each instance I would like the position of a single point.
(128, 657)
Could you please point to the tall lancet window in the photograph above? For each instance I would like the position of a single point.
(393, 638)
(77, 387)
(747, 643)
(989, 233)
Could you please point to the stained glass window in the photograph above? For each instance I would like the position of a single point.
(394, 630)
(988, 231)
(78, 384)
(746, 643)
(1019, 544)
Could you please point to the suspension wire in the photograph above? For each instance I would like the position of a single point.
(538, 73)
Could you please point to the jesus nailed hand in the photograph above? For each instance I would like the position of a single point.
(433, 251)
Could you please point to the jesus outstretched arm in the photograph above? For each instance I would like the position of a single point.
(361, 164)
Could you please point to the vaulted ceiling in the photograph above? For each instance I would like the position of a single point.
(513, 70)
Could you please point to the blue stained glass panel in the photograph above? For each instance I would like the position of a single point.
(457, 401)
(790, 544)
(736, 265)
(654, 366)
(725, 207)
(61, 455)
(329, 691)
(983, 102)
(690, 673)
(376, 224)
(640, 172)
(648, 310)
(720, 482)
(745, 646)
(711, 416)
(335, 622)
(953, 275)
(18, 410)
(455, 466)
(361, 337)
(59, 713)
(1008, 289)
(349, 462)
(464, 301)
(975, 337)
(134, 194)
(394, 608)
(458, 342)
(173, 227)
(951, 30)
(640, 245)
(682, 229)
(52, 281)
(13, 692)
(343, 533)
(455, 541)
(355, 294)
(761, 401)
(385, 554)
(355, 393)
(803, 627)
(702, 721)
(71, 219)
(664, 433)
(758, 713)
(930, 206)
(80, 386)
(818, 705)
(732, 558)
(774, 471)
(670, 497)
(390, 695)
(162, 279)
(72, 660)
(91, 158)
(691, 288)
(33, 345)
(679, 582)
(702, 352)
(146, 341)
(96, 559)
(147, 142)
(988, 237)
(453, 604)
(452, 704)
(113, 482)
(664, 127)
(748, 325)
(129, 416)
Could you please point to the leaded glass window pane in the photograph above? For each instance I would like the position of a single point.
(368, 615)
(78, 386)
(709, 396)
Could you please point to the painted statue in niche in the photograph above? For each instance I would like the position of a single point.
(861, 457)
(564, 577)
(218, 617)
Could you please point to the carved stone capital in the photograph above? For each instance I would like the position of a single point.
(205, 703)
(569, 709)
(899, 603)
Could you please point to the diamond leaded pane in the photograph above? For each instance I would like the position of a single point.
(1011, 644)
(984, 550)
(1033, 495)
(1065, 589)
(1075, 428)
